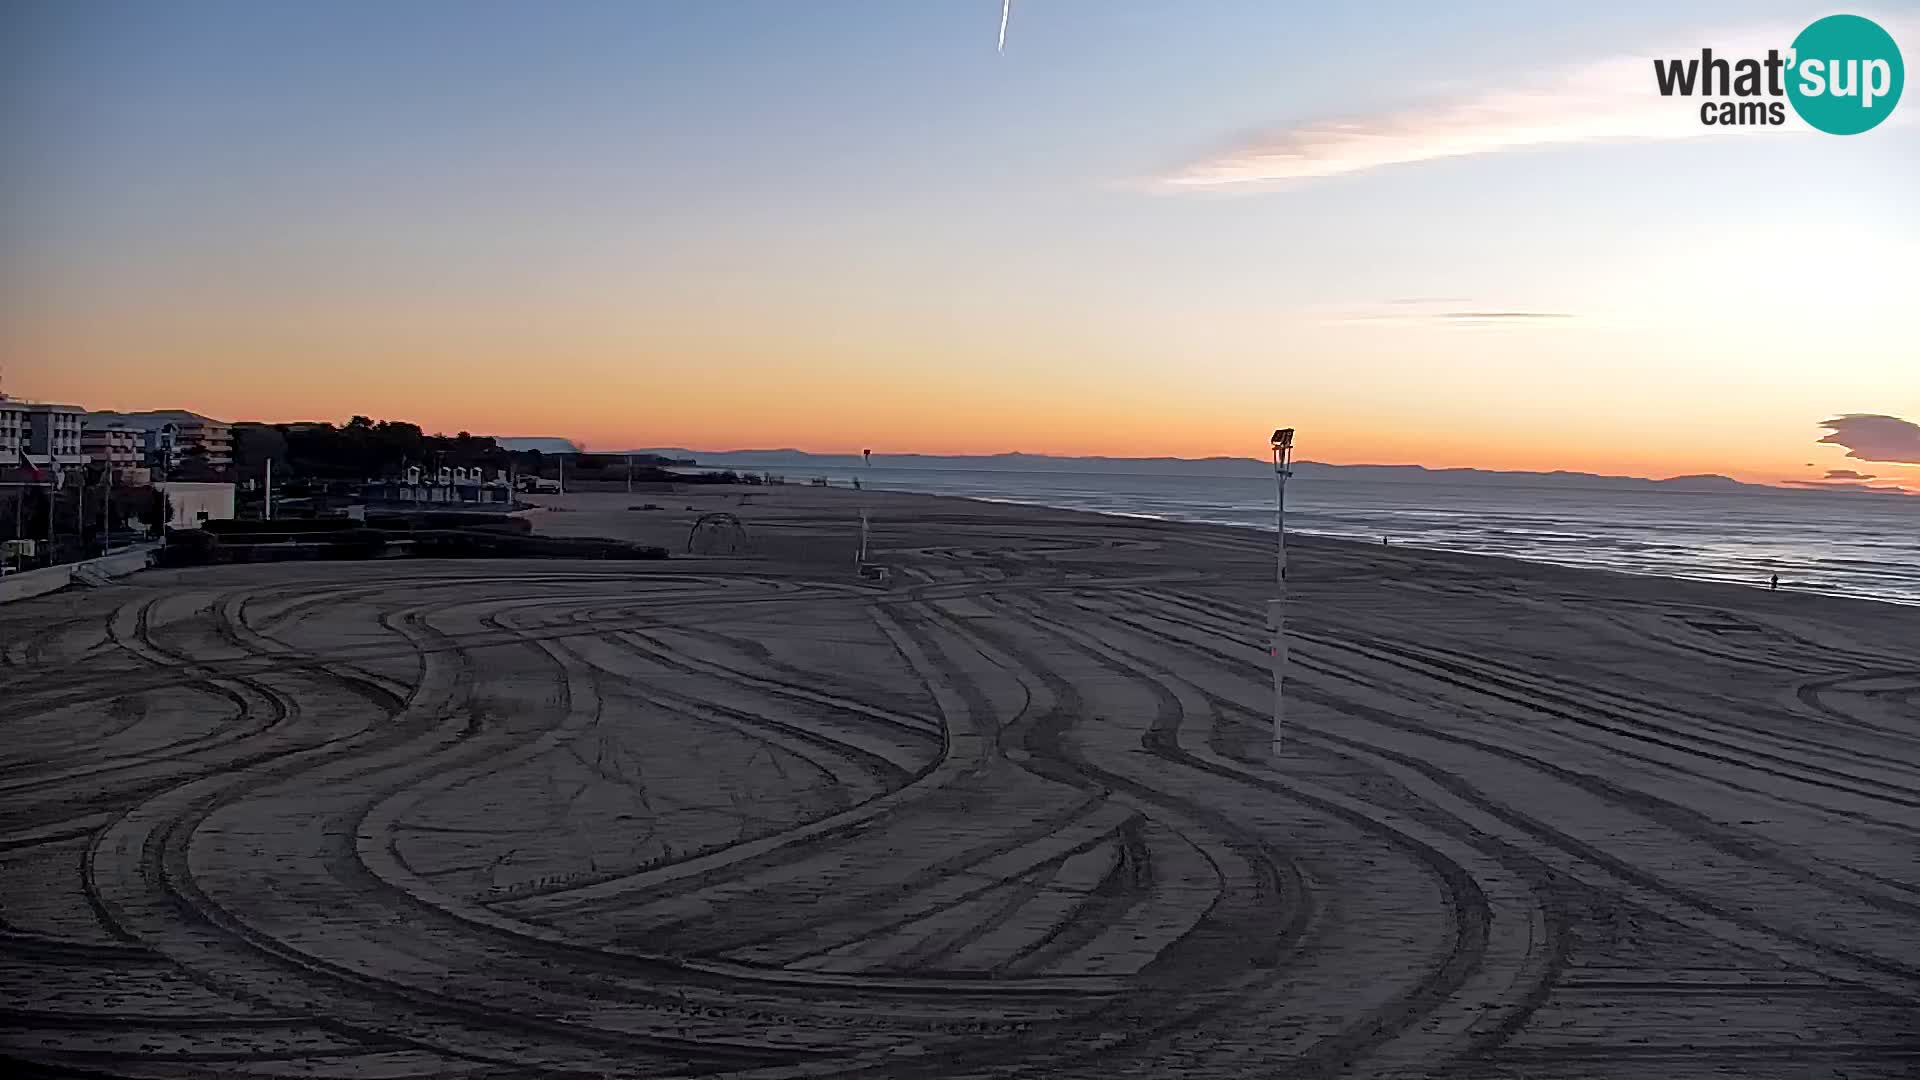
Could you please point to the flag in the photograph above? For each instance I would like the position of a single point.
(27, 464)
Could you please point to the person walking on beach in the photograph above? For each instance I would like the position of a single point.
(1775, 585)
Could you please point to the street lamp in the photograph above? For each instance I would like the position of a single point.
(866, 458)
(1276, 609)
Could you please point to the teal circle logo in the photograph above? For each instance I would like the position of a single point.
(1846, 75)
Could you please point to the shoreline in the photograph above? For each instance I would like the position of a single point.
(1860, 548)
(609, 510)
(1293, 533)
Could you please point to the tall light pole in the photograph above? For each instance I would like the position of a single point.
(1276, 610)
(866, 459)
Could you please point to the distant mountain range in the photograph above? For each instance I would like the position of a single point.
(795, 460)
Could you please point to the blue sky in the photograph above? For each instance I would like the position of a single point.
(844, 193)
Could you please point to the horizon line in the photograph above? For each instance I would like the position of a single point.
(1777, 485)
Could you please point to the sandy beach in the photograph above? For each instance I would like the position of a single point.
(1014, 812)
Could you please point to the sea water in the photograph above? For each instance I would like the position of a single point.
(1845, 544)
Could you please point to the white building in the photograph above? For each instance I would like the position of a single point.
(13, 430)
(48, 434)
(454, 488)
(53, 432)
(190, 506)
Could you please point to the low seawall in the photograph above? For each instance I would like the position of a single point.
(31, 583)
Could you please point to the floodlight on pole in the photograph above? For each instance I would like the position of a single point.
(866, 459)
(1282, 443)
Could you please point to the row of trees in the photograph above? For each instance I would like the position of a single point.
(361, 449)
(365, 449)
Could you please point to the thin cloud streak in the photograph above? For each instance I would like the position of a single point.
(1611, 99)
(1407, 310)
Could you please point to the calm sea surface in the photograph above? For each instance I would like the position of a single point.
(1848, 545)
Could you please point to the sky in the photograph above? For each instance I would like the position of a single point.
(1454, 235)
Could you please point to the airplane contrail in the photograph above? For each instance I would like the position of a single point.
(1006, 8)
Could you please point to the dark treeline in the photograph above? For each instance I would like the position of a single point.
(364, 449)
(368, 449)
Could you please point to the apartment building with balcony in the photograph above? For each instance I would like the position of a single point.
(47, 434)
(53, 434)
(170, 435)
(117, 446)
(13, 430)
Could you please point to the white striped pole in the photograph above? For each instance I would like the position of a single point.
(1276, 610)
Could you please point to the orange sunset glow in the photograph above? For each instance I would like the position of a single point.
(959, 539)
(1014, 280)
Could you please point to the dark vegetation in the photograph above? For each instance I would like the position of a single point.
(365, 449)
(361, 449)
